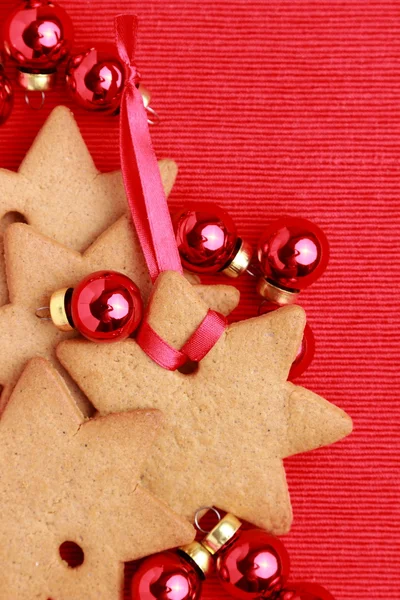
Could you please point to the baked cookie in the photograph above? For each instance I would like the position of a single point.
(64, 478)
(37, 266)
(59, 190)
(230, 424)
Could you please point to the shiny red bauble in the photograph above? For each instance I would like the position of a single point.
(38, 35)
(305, 591)
(105, 306)
(6, 97)
(96, 78)
(293, 253)
(166, 576)
(253, 564)
(306, 350)
(206, 237)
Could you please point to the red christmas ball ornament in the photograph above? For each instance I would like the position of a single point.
(106, 306)
(172, 575)
(306, 349)
(250, 563)
(37, 35)
(96, 78)
(6, 96)
(207, 241)
(254, 564)
(292, 253)
(305, 591)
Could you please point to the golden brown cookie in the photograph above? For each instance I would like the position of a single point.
(230, 424)
(59, 190)
(37, 266)
(67, 479)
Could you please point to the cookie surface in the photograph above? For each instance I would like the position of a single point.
(59, 190)
(230, 424)
(64, 478)
(37, 266)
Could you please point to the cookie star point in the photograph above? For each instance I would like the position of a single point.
(313, 422)
(271, 339)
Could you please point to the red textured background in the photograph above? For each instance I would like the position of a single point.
(291, 107)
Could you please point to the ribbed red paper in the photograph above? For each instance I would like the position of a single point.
(291, 107)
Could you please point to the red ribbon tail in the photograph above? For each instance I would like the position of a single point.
(144, 188)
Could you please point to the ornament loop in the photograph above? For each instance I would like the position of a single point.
(33, 106)
(197, 517)
(43, 313)
(153, 117)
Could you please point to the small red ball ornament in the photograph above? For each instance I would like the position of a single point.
(253, 564)
(166, 576)
(292, 253)
(172, 575)
(305, 591)
(6, 96)
(96, 78)
(207, 241)
(306, 350)
(106, 306)
(250, 563)
(38, 35)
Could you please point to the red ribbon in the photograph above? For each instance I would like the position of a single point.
(139, 165)
(149, 209)
(197, 346)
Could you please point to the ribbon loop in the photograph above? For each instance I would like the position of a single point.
(197, 346)
(126, 28)
(205, 337)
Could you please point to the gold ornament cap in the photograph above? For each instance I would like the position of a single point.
(222, 533)
(274, 293)
(241, 260)
(200, 556)
(37, 82)
(58, 312)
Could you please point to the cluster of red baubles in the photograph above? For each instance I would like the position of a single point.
(250, 564)
(38, 36)
(291, 255)
(292, 252)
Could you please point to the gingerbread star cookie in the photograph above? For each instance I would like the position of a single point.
(59, 190)
(230, 424)
(37, 266)
(64, 478)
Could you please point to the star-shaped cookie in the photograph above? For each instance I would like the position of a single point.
(60, 192)
(37, 266)
(67, 479)
(230, 424)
